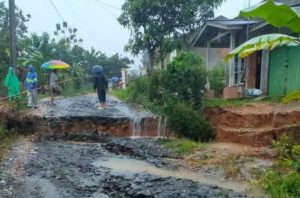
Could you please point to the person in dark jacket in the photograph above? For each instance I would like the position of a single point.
(100, 85)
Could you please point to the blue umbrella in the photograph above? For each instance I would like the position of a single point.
(115, 79)
(97, 69)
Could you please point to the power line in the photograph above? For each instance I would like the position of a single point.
(101, 5)
(57, 11)
(79, 20)
(109, 5)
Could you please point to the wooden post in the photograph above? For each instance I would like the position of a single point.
(13, 39)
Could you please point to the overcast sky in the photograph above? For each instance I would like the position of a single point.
(96, 19)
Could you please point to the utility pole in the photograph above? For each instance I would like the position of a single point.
(12, 38)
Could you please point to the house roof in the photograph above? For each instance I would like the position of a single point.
(289, 2)
(217, 30)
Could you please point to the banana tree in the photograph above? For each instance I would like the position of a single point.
(264, 42)
(276, 14)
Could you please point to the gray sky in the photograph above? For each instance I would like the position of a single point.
(96, 20)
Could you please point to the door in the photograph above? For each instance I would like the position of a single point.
(284, 75)
(277, 71)
(293, 73)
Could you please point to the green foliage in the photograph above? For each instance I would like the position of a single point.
(71, 88)
(19, 104)
(122, 94)
(291, 96)
(217, 79)
(186, 122)
(176, 93)
(283, 180)
(154, 87)
(159, 24)
(222, 102)
(268, 11)
(21, 31)
(182, 146)
(282, 185)
(66, 46)
(138, 90)
(184, 79)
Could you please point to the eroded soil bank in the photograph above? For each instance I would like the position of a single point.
(257, 124)
(79, 169)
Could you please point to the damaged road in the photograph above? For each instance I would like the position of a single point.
(112, 167)
(78, 151)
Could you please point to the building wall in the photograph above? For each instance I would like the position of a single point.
(251, 71)
(216, 55)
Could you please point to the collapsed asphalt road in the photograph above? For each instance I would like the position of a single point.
(75, 169)
(59, 162)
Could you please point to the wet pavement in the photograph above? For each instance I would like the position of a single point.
(86, 106)
(112, 167)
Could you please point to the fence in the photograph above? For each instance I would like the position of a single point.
(69, 87)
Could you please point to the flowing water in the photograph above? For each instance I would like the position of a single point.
(136, 126)
(125, 165)
(161, 126)
(274, 118)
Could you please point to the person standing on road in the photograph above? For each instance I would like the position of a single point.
(55, 88)
(31, 84)
(100, 85)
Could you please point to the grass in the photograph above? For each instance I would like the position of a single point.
(231, 166)
(122, 94)
(224, 102)
(219, 102)
(182, 146)
(70, 90)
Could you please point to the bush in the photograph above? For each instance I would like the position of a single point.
(217, 79)
(184, 79)
(155, 92)
(186, 122)
(283, 180)
(138, 90)
(177, 93)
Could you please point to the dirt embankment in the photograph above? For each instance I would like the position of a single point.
(256, 124)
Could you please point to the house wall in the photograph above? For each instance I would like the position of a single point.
(251, 71)
(264, 72)
(216, 55)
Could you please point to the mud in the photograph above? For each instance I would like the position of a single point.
(79, 169)
(256, 124)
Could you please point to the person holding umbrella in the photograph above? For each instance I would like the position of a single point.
(100, 85)
(55, 88)
(31, 84)
(53, 66)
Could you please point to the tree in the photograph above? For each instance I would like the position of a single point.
(21, 31)
(156, 25)
(268, 10)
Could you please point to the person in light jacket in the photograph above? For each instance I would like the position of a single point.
(31, 84)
